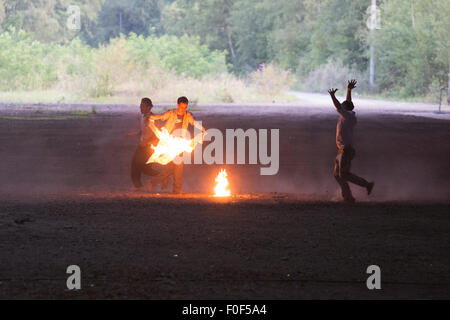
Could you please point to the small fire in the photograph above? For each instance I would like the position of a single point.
(222, 184)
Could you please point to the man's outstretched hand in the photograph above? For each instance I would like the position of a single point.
(351, 84)
(332, 91)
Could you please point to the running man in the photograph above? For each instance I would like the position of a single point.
(143, 150)
(344, 142)
(177, 121)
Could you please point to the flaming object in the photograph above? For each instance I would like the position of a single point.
(169, 147)
(222, 184)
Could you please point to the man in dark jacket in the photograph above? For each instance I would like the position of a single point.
(144, 149)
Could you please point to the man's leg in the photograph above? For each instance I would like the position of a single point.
(346, 175)
(346, 192)
(177, 177)
(353, 178)
(164, 173)
(345, 188)
(135, 169)
(139, 166)
(149, 170)
(348, 155)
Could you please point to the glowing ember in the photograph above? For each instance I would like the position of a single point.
(222, 184)
(169, 147)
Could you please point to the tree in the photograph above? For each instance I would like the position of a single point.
(208, 19)
(122, 17)
(250, 27)
(46, 20)
(337, 34)
(293, 24)
(2, 13)
(412, 49)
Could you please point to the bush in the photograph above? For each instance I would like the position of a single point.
(331, 75)
(74, 67)
(130, 67)
(183, 55)
(270, 80)
(23, 63)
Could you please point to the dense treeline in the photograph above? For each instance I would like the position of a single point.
(320, 41)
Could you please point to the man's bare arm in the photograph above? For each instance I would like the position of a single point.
(194, 123)
(199, 126)
(163, 116)
(351, 85)
(154, 128)
(156, 117)
(336, 102)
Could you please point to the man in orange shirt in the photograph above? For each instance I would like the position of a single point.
(177, 122)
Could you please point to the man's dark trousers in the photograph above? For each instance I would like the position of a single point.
(139, 166)
(342, 172)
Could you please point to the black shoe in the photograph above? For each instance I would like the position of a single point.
(370, 187)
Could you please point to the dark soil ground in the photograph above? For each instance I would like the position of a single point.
(64, 200)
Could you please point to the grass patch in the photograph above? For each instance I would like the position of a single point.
(39, 118)
(38, 96)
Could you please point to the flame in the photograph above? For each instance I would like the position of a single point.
(222, 184)
(169, 147)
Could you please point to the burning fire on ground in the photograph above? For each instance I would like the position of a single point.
(222, 185)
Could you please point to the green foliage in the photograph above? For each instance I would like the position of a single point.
(207, 19)
(28, 64)
(337, 33)
(293, 23)
(184, 55)
(148, 61)
(2, 14)
(123, 17)
(198, 38)
(250, 24)
(46, 20)
(24, 63)
(412, 47)
(271, 80)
